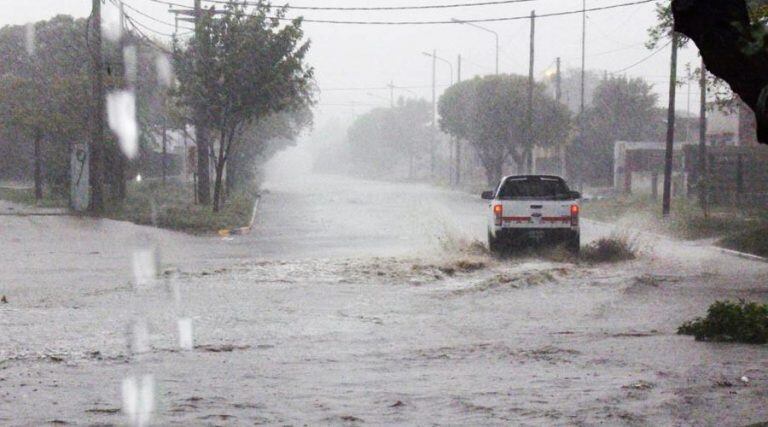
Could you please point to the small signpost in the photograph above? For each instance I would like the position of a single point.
(79, 192)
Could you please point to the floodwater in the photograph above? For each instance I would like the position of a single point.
(357, 302)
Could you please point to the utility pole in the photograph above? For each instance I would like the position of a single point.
(528, 158)
(580, 156)
(203, 168)
(432, 147)
(95, 163)
(457, 164)
(670, 129)
(583, 52)
(391, 87)
(558, 82)
(703, 172)
(118, 174)
(558, 98)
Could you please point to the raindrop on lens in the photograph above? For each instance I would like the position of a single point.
(146, 267)
(30, 42)
(139, 400)
(186, 341)
(139, 337)
(121, 116)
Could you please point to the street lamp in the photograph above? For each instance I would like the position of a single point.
(431, 55)
(458, 21)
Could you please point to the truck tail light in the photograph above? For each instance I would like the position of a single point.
(498, 210)
(574, 215)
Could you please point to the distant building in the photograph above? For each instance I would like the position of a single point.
(736, 127)
(638, 166)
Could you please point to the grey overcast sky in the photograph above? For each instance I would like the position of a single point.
(367, 57)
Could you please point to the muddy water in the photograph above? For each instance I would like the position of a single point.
(325, 318)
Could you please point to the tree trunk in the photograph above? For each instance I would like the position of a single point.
(217, 188)
(38, 166)
(493, 171)
(232, 174)
(165, 151)
(203, 165)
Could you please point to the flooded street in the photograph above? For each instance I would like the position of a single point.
(361, 302)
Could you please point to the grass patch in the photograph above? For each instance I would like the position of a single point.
(172, 206)
(734, 228)
(751, 240)
(609, 249)
(26, 196)
(728, 321)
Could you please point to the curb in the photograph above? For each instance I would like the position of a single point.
(743, 255)
(243, 230)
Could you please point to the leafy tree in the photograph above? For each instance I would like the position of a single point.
(490, 113)
(260, 141)
(731, 37)
(242, 66)
(387, 141)
(622, 110)
(44, 94)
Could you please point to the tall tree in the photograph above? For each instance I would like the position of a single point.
(490, 113)
(252, 66)
(732, 38)
(622, 110)
(388, 141)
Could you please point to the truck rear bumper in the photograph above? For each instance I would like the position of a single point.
(535, 235)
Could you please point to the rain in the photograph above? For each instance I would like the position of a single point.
(447, 213)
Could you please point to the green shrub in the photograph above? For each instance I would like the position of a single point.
(730, 322)
(171, 206)
(610, 249)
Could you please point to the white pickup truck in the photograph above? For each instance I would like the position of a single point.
(529, 209)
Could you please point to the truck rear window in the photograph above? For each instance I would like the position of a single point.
(534, 188)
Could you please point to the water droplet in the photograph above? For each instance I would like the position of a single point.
(129, 58)
(30, 37)
(121, 116)
(146, 267)
(164, 70)
(139, 337)
(139, 399)
(111, 27)
(185, 334)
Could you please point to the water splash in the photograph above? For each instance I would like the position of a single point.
(139, 399)
(121, 116)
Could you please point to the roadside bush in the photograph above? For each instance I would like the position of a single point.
(728, 321)
(171, 206)
(610, 249)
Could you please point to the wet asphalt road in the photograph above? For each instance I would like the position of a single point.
(357, 302)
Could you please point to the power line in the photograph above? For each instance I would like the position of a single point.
(380, 8)
(145, 37)
(150, 17)
(511, 18)
(440, 22)
(643, 60)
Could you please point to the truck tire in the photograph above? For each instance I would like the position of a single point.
(574, 243)
(493, 244)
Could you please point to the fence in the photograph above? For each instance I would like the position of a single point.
(736, 175)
